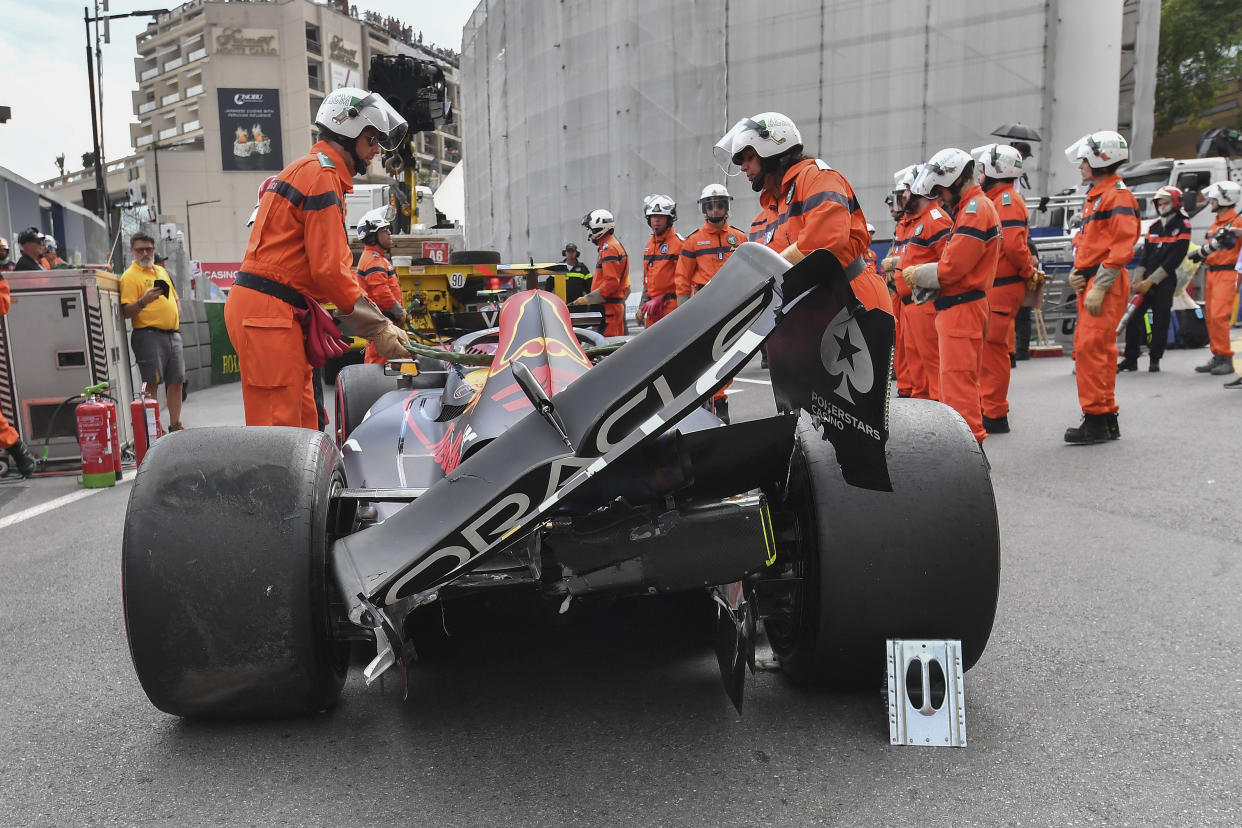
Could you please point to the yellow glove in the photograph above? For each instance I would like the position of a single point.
(1037, 279)
(1094, 300)
(1077, 280)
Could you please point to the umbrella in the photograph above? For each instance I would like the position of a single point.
(1016, 131)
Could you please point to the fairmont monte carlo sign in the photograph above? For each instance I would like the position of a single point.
(234, 40)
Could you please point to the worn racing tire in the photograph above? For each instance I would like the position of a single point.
(224, 574)
(474, 257)
(922, 561)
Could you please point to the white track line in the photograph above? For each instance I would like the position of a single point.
(755, 381)
(35, 511)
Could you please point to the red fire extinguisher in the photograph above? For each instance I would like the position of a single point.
(144, 413)
(96, 420)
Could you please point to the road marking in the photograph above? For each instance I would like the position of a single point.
(756, 382)
(35, 511)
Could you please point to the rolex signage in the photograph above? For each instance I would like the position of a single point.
(235, 40)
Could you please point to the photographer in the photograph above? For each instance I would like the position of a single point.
(149, 299)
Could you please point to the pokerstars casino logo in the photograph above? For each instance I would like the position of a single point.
(844, 353)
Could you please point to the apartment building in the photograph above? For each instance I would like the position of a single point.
(227, 95)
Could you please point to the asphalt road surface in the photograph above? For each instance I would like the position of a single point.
(1110, 693)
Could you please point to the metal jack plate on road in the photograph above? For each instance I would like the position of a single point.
(926, 699)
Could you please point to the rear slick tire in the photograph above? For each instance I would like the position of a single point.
(224, 574)
(922, 561)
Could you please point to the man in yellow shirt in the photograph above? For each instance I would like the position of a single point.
(149, 300)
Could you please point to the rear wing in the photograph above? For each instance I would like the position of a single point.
(831, 357)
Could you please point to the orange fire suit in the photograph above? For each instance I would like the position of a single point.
(660, 270)
(924, 244)
(1220, 286)
(8, 434)
(967, 269)
(898, 290)
(817, 209)
(1110, 228)
(299, 241)
(612, 280)
(703, 253)
(380, 284)
(1005, 297)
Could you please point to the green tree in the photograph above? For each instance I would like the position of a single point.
(1200, 55)
(88, 160)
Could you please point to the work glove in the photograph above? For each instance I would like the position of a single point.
(924, 275)
(367, 322)
(1077, 280)
(889, 264)
(1037, 279)
(1105, 276)
(1094, 300)
(1158, 275)
(1137, 274)
(1197, 255)
(653, 307)
(681, 300)
(1142, 286)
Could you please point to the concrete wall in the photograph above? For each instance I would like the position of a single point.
(575, 105)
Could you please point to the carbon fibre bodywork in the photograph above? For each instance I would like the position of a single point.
(509, 474)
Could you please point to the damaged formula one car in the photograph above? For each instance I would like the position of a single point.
(254, 558)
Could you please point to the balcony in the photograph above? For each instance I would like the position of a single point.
(143, 140)
(197, 54)
(169, 99)
(196, 89)
(148, 74)
(171, 132)
(143, 109)
(176, 63)
(190, 126)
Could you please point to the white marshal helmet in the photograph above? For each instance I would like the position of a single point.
(903, 179)
(1101, 149)
(348, 111)
(870, 229)
(597, 223)
(999, 161)
(372, 222)
(769, 134)
(714, 191)
(1226, 193)
(941, 170)
(660, 205)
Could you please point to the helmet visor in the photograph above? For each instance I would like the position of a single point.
(1078, 150)
(739, 136)
(378, 113)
